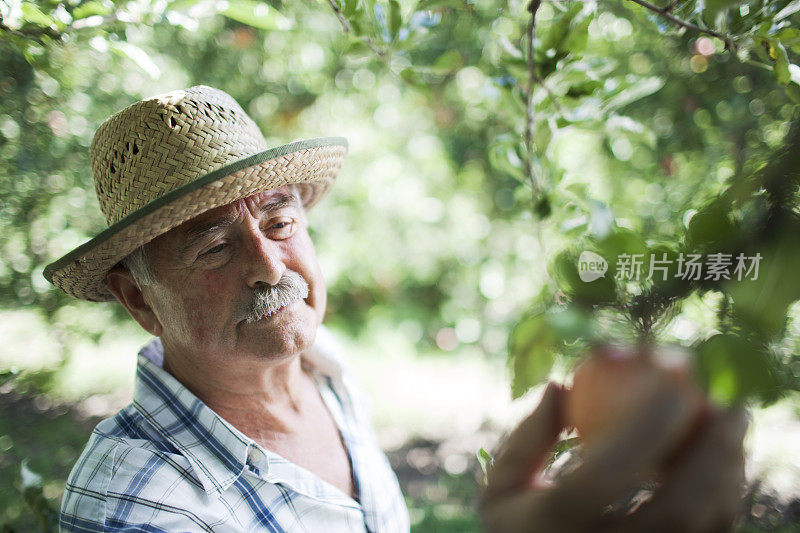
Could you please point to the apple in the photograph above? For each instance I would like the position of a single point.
(614, 381)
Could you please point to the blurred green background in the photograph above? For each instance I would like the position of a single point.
(433, 242)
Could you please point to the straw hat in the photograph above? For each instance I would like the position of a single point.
(167, 159)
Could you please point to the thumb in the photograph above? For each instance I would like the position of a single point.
(525, 450)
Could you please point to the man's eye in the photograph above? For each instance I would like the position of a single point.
(215, 250)
(282, 229)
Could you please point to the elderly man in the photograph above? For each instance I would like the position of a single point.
(244, 415)
(240, 421)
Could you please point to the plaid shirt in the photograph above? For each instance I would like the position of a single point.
(168, 463)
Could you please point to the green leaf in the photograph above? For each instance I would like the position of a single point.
(562, 447)
(395, 18)
(33, 15)
(762, 303)
(790, 37)
(558, 30)
(711, 228)
(571, 324)
(531, 353)
(592, 292)
(409, 75)
(733, 369)
(505, 156)
(635, 91)
(91, 9)
(447, 63)
(350, 7)
(485, 459)
(8, 375)
(575, 42)
(793, 89)
(542, 135)
(618, 242)
(584, 87)
(256, 14)
(792, 8)
(355, 24)
(716, 10)
(781, 67)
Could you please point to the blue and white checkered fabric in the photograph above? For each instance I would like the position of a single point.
(168, 463)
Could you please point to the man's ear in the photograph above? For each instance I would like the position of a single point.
(122, 285)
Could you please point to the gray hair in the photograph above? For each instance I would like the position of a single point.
(141, 268)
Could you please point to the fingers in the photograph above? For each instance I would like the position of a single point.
(526, 448)
(701, 490)
(616, 461)
(702, 493)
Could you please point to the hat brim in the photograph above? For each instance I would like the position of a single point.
(314, 162)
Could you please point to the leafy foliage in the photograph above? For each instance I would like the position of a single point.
(503, 139)
(516, 103)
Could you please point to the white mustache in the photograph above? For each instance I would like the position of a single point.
(269, 298)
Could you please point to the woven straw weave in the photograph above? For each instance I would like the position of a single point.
(167, 159)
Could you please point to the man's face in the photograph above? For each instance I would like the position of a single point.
(210, 269)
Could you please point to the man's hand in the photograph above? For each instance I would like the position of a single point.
(700, 491)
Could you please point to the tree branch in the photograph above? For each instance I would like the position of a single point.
(533, 7)
(665, 13)
(348, 29)
(29, 33)
(36, 34)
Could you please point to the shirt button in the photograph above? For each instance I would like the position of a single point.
(253, 456)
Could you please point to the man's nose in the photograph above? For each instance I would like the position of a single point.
(264, 259)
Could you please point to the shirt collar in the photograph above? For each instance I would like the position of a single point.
(216, 450)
